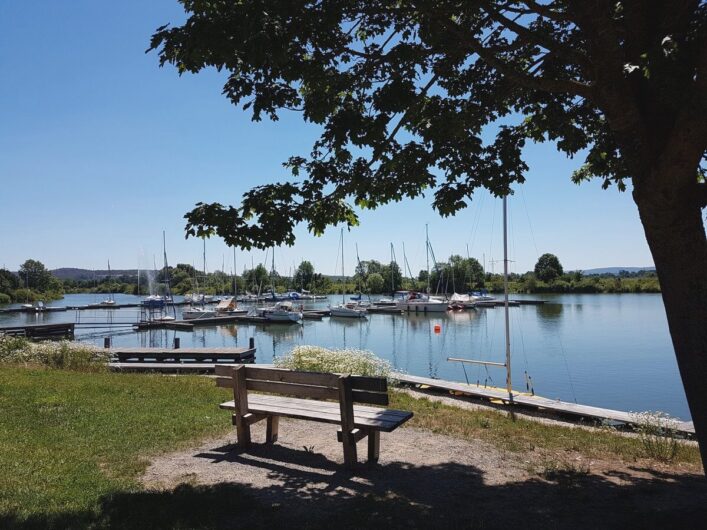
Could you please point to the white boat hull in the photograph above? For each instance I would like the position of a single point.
(282, 316)
(196, 315)
(425, 307)
(347, 312)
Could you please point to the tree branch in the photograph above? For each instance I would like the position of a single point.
(534, 37)
(507, 70)
(545, 11)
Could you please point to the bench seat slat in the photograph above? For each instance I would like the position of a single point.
(303, 409)
(323, 406)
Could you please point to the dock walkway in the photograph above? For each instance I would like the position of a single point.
(182, 355)
(534, 402)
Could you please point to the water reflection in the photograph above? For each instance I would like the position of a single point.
(614, 348)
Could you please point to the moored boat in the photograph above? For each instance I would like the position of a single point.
(350, 310)
(196, 313)
(282, 312)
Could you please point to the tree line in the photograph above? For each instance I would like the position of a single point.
(461, 275)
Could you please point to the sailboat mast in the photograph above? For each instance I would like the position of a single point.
(235, 274)
(427, 253)
(392, 272)
(343, 277)
(505, 299)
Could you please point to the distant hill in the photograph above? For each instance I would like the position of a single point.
(69, 273)
(616, 270)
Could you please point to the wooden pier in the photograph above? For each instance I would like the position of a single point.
(64, 330)
(172, 368)
(500, 396)
(182, 355)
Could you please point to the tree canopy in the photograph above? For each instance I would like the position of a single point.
(404, 91)
(440, 96)
(548, 268)
(34, 275)
(304, 275)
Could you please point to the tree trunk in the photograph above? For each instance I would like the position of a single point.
(672, 220)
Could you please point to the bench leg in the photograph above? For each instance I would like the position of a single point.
(273, 423)
(242, 431)
(349, 443)
(374, 445)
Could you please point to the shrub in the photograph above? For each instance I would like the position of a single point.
(657, 432)
(347, 361)
(5, 299)
(61, 354)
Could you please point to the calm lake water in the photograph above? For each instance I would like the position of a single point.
(605, 350)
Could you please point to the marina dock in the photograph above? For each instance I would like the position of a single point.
(41, 331)
(500, 396)
(135, 356)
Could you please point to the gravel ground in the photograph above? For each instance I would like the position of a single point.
(430, 480)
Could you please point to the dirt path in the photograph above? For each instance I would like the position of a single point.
(427, 480)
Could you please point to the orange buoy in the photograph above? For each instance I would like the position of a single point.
(437, 328)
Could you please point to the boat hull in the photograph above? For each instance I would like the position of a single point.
(425, 307)
(346, 312)
(196, 315)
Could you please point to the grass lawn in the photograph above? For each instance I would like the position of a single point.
(73, 445)
(523, 435)
(69, 438)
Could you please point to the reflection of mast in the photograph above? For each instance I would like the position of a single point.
(427, 254)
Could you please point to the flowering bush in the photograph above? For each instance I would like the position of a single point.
(347, 361)
(55, 354)
(657, 432)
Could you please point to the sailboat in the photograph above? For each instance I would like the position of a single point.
(351, 309)
(110, 301)
(196, 313)
(283, 310)
(423, 302)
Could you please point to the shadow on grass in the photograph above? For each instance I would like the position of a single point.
(312, 491)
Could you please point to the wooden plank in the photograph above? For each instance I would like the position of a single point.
(225, 370)
(180, 351)
(328, 406)
(358, 435)
(224, 382)
(271, 430)
(374, 446)
(557, 406)
(383, 423)
(292, 389)
(240, 398)
(373, 384)
(347, 421)
(374, 398)
(161, 367)
(290, 376)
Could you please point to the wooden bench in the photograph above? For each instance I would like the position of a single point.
(342, 391)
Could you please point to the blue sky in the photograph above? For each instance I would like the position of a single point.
(101, 150)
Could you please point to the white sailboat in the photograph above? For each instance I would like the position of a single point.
(344, 309)
(423, 302)
(110, 301)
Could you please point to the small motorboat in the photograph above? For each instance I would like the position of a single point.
(283, 312)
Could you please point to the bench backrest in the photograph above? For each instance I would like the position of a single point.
(313, 385)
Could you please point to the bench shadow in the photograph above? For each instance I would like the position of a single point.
(311, 491)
